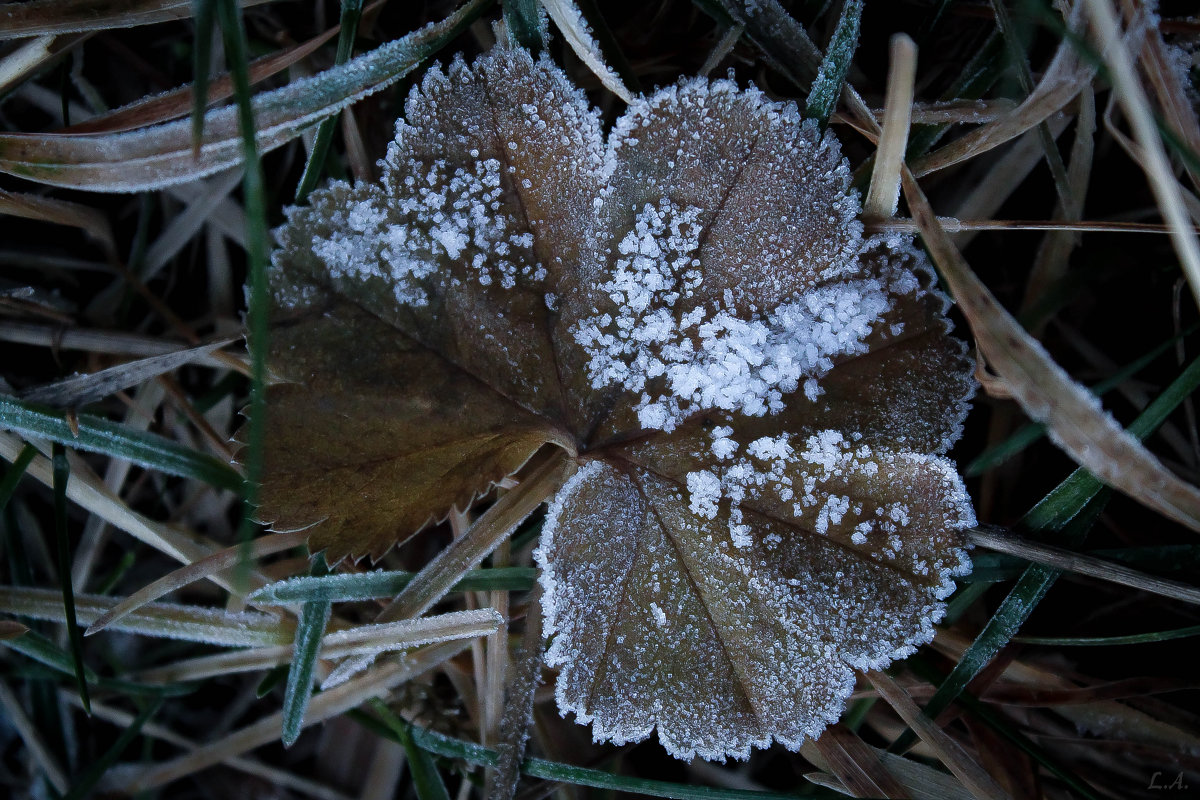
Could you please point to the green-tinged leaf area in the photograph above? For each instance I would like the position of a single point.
(689, 307)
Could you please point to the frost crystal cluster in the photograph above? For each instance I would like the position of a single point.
(759, 398)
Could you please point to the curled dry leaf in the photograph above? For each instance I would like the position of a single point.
(759, 397)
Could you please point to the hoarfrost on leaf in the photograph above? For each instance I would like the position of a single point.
(759, 398)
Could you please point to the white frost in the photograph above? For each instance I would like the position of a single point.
(680, 356)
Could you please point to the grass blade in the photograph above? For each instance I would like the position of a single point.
(524, 25)
(827, 87)
(71, 16)
(425, 776)
(1110, 641)
(33, 736)
(351, 10)
(35, 646)
(575, 29)
(1076, 421)
(161, 155)
(79, 390)
(997, 723)
(257, 255)
(371, 585)
(62, 474)
(83, 787)
(189, 623)
(1068, 511)
(98, 435)
(1020, 62)
(883, 195)
(201, 66)
(948, 751)
(219, 561)
(1070, 561)
(1028, 434)
(13, 475)
(309, 630)
(582, 776)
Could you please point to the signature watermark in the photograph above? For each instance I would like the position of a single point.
(1165, 781)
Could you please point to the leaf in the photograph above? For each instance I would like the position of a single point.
(756, 395)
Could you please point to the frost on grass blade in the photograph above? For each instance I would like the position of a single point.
(760, 397)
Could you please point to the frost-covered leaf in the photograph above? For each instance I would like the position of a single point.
(760, 398)
(414, 323)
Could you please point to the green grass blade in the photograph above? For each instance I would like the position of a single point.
(43, 694)
(371, 585)
(425, 776)
(91, 776)
(314, 616)
(35, 646)
(202, 11)
(1068, 511)
(582, 776)
(827, 87)
(98, 435)
(62, 474)
(46, 653)
(351, 11)
(13, 475)
(1107, 641)
(524, 25)
(449, 747)
(257, 254)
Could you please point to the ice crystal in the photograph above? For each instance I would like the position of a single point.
(760, 398)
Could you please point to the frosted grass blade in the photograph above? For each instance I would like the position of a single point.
(168, 620)
(370, 585)
(161, 155)
(80, 390)
(1068, 512)
(575, 29)
(351, 10)
(99, 435)
(524, 25)
(827, 86)
(309, 630)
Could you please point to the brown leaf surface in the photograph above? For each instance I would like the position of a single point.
(758, 397)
